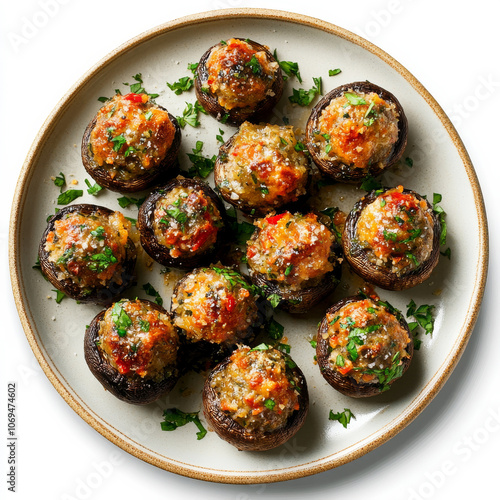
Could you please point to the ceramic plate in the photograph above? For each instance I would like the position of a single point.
(440, 165)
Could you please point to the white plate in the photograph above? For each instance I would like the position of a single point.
(441, 165)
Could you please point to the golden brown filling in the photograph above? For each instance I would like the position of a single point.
(239, 75)
(139, 340)
(131, 135)
(186, 221)
(367, 342)
(357, 129)
(214, 304)
(397, 231)
(89, 249)
(291, 250)
(263, 168)
(257, 389)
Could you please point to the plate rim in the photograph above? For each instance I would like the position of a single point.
(354, 451)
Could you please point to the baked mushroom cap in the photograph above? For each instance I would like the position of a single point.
(255, 438)
(319, 143)
(129, 387)
(409, 249)
(258, 169)
(132, 176)
(301, 266)
(69, 284)
(196, 225)
(240, 76)
(376, 350)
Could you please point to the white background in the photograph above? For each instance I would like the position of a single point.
(451, 449)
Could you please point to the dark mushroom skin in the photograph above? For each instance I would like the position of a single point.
(73, 285)
(214, 308)
(128, 171)
(256, 436)
(306, 260)
(407, 235)
(128, 386)
(345, 156)
(375, 350)
(195, 224)
(253, 92)
(258, 169)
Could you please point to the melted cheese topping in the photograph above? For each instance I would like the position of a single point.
(397, 231)
(257, 390)
(291, 250)
(186, 221)
(89, 249)
(214, 304)
(239, 75)
(139, 340)
(263, 168)
(358, 135)
(131, 135)
(367, 342)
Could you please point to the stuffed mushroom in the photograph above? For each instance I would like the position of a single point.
(363, 346)
(294, 257)
(132, 349)
(391, 238)
(357, 130)
(260, 170)
(182, 223)
(131, 144)
(87, 253)
(256, 399)
(237, 80)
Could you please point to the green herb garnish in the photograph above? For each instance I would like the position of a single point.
(182, 85)
(343, 417)
(93, 190)
(174, 418)
(121, 319)
(152, 292)
(68, 196)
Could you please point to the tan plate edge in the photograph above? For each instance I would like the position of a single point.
(371, 442)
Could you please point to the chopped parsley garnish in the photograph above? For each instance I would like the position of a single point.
(174, 418)
(190, 115)
(274, 299)
(103, 99)
(192, 67)
(269, 404)
(68, 196)
(202, 166)
(219, 136)
(275, 330)
(333, 72)
(354, 99)
(408, 162)
(144, 324)
(148, 115)
(254, 65)
(93, 190)
(177, 214)
(260, 347)
(119, 141)
(182, 85)
(234, 278)
(59, 296)
(343, 417)
(387, 375)
(446, 253)
(304, 97)
(67, 254)
(288, 269)
(137, 88)
(101, 261)
(422, 315)
(121, 319)
(242, 231)
(370, 183)
(98, 233)
(288, 67)
(152, 292)
(441, 216)
(126, 201)
(60, 181)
